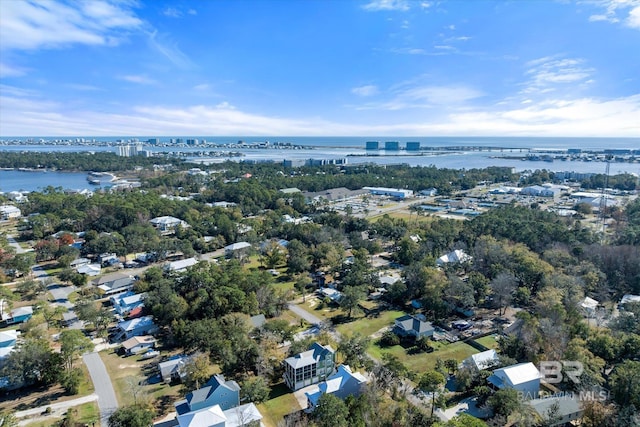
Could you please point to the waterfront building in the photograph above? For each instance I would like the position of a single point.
(392, 146)
(373, 145)
(413, 146)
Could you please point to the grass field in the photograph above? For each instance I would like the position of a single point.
(85, 414)
(281, 402)
(127, 372)
(425, 361)
(314, 306)
(489, 341)
(371, 324)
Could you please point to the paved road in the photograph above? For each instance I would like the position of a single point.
(57, 409)
(300, 312)
(107, 401)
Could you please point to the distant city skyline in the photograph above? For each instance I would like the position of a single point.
(320, 68)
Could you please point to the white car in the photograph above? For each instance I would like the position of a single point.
(150, 354)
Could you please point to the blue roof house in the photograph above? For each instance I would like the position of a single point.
(136, 327)
(342, 384)
(18, 315)
(125, 302)
(216, 391)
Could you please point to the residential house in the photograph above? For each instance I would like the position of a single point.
(409, 325)
(18, 315)
(9, 212)
(457, 256)
(8, 341)
(234, 248)
(430, 192)
(135, 327)
(108, 259)
(140, 344)
(168, 224)
(342, 384)
(522, 377)
(215, 417)
(89, 269)
(173, 369)
(482, 361)
(125, 302)
(114, 283)
(180, 265)
(309, 367)
(627, 298)
(333, 294)
(558, 410)
(216, 392)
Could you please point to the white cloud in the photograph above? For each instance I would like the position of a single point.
(366, 90)
(378, 5)
(140, 79)
(615, 11)
(172, 12)
(169, 50)
(633, 20)
(22, 114)
(202, 87)
(84, 88)
(549, 73)
(411, 95)
(52, 24)
(7, 70)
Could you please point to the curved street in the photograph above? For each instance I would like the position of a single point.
(107, 401)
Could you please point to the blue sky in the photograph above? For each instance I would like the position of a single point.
(320, 68)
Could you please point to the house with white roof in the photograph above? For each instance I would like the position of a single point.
(214, 416)
(627, 299)
(173, 369)
(342, 384)
(17, 315)
(135, 345)
(481, 361)
(89, 269)
(168, 224)
(309, 367)
(9, 212)
(457, 256)
(236, 247)
(522, 377)
(180, 265)
(125, 302)
(8, 341)
(136, 327)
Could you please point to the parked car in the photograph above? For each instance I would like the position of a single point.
(150, 354)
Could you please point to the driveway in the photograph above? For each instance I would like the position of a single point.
(16, 245)
(107, 401)
(57, 410)
(300, 312)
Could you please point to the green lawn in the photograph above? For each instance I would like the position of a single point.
(85, 414)
(489, 341)
(369, 325)
(281, 402)
(314, 306)
(425, 361)
(125, 371)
